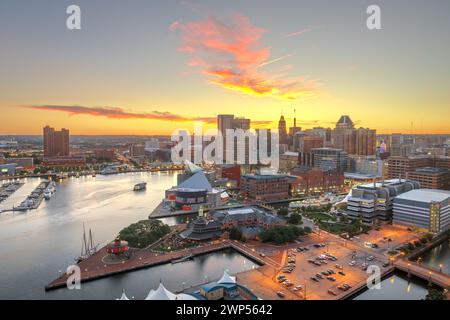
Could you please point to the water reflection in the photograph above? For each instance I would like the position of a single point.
(438, 258)
(396, 287)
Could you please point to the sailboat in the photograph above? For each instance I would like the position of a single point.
(87, 246)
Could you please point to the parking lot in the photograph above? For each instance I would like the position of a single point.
(387, 238)
(346, 270)
(270, 282)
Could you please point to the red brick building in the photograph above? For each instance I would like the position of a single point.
(430, 171)
(232, 172)
(265, 187)
(312, 180)
(56, 143)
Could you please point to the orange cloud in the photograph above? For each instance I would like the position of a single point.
(232, 56)
(120, 113)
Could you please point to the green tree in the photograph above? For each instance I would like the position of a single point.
(283, 212)
(435, 294)
(235, 233)
(295, 218)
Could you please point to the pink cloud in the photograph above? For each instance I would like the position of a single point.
(232, 56)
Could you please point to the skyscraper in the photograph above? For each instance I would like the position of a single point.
(360, 141)
(292, 131)
(56, 143)
(229, 122)
(282, 131)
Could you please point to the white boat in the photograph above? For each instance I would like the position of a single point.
(47, 195)
(109, 170)
(140, 186)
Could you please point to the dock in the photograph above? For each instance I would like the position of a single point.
(94, 268)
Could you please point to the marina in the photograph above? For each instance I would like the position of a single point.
(7, 189)
(56, 226)
(45, 189)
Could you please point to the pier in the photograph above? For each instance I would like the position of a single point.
(94, 267)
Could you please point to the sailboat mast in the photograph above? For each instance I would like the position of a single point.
(91, 241)
(85, 240)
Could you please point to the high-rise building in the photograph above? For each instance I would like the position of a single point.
(304, 145)
(241, 123)
(282, 131)
(292, 131)
(330, 159)
(425, 209)
(360, 141)
(224, 122)
(137, 150)
(430, 171)
(375, 201)
(229, 122)
(56, 143)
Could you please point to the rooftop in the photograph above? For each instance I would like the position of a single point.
(264, 176)
(425, 195)
(290, 154)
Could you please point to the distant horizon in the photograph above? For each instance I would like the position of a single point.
(151, 67)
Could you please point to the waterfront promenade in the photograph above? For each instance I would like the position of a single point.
(95, 268)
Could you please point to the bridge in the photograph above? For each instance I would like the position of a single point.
(432, 276)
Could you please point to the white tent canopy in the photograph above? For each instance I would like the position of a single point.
(123, 296)
(226, 278)
(163, 294)
(160, 294)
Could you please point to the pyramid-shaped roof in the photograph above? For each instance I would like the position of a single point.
(345, 121)
(192, 168)
(196, 181)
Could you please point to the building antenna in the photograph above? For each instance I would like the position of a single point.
(295, 118)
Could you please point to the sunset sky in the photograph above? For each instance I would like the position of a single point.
(150, 67)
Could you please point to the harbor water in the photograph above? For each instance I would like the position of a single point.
(36, 246)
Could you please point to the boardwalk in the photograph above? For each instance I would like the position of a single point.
(95, 268)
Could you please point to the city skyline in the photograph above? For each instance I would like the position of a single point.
(160, 70)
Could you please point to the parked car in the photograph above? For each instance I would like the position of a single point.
(281, 294)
